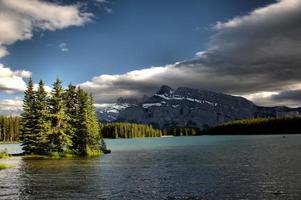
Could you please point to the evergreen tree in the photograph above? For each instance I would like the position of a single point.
(28, 137)
(128, 130)
(9, 129)
(94, 128)
(43, 126)
(87, 134)
(59, 139)
(81, 141)
(71, 102)
(64, 121)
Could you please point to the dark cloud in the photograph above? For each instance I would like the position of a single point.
(292, 95)
(256, 55)
(261, 49)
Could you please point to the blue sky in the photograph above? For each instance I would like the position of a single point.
(136, 34)
(83, 40)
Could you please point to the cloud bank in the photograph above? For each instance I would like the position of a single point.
(12, 81)
(19, 19)
(255, 55)
(11, 106)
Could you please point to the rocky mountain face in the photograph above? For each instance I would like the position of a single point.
(278, 111)
(186, 107)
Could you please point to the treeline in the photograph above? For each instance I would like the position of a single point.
(182, 131)
(285, 125)
(128, 130)
(133, 130)
(9, 129)
(63, 121)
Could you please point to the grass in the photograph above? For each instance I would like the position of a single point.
(61, 155)
(51, 156)
(5, 166)
(6, 142)
(4, 154)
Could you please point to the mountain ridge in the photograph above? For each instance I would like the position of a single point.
(188, 107)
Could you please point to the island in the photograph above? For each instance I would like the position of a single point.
(61, 123)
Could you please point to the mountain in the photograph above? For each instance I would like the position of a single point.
(110, 112)
(278, 111)
(187, 107)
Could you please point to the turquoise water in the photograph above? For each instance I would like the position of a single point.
(201, 167)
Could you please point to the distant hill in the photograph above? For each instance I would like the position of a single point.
(280, 125)
(187, 107)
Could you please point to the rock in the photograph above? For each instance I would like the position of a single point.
(187, 107)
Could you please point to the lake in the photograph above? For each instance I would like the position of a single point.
(200, 167)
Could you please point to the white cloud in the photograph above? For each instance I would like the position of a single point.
(262, 98)
(11, 106)
(263, 15)
(108, 10)
(63, 47)
(12, 81)
(256, 55)
(20, 18)
(106, 88)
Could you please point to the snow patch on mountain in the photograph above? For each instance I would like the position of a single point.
(110, 112)
(179, 98)
(147, 105)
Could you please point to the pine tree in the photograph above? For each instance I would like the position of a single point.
(59, 139)
(43, 126)
(80, 137)
(28, 121)
(65, 121)
(71, 102)
(94, 129)
(87, 134)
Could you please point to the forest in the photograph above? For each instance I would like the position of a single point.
(133, 130)
(185, 131)
(9, 129)
(283, 125)
(108, 130)
(59, 123)
(128, 130)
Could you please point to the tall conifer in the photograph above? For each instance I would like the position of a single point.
(43, 126)
(28, 121)
(71, 102)
(59, 138)
(87, 134)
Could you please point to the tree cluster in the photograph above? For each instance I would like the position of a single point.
(9, 129)
(128, 130)
(62, 121)
(179, 131)
(283, 125)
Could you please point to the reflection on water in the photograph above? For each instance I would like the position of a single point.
(205, 167)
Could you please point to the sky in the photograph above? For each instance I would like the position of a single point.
(129, 48)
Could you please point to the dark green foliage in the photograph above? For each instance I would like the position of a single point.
(86, 137)
(103, 146)
(29, 120)
(59, 139)
(71, 102)
(285, 125)
(182, 131)
(43, 126)
(61, 124)
(93, 128)
(129, 130)
(132, 130)
(9, 129)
